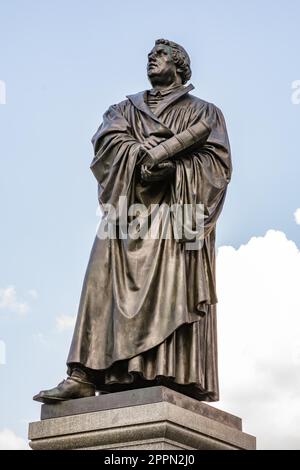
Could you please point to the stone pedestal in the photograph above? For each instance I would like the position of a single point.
(155, 418)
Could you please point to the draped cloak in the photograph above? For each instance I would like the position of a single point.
(148, 306)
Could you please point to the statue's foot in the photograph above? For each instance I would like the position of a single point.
(68, 389)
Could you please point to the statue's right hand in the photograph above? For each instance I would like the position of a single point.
(152, 141)
(145, 157)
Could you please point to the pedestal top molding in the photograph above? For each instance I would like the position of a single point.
(148, 418)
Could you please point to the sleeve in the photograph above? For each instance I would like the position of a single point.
(116, 153)
(202, 178)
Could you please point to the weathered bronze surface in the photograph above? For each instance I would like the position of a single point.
(147, 313)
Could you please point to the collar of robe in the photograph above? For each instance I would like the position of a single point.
(165, 91)
(138, 100)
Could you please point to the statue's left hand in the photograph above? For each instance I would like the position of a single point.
(159, 172)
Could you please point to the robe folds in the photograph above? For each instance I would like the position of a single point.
(147, 312)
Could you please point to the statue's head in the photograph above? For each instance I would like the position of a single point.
(168, 62)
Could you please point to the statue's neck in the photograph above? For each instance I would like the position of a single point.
(175, 83)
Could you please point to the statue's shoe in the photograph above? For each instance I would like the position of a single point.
(68, 389)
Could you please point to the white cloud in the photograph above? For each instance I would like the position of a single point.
(10, 441)
(259, 337)
(297, 216)
(9, 301)
(65, 322)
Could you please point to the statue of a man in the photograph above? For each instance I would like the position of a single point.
(147, 314)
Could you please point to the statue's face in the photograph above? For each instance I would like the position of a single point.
(161, 68)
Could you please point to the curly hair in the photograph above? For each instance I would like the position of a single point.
(180, 57)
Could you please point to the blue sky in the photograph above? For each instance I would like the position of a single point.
(63, 63)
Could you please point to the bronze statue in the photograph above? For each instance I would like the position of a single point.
(147, 313)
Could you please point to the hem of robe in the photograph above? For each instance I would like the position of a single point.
(75, 354)
(177, 362)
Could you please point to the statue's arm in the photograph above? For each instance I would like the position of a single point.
(174, 146)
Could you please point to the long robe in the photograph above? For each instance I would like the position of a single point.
(148, 306)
